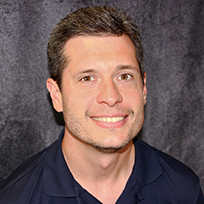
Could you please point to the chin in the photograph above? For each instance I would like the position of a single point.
(111, 148)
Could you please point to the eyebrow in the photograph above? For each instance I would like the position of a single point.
(131, 67)
(119, 67)
(75, 75)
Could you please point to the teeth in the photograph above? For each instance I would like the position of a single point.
(109, 119)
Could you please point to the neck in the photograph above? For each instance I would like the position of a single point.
(95, 170)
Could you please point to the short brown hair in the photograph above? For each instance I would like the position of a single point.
(90, 21)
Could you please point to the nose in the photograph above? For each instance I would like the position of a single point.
(109, 94)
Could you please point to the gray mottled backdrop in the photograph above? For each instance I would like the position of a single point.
(173, 38)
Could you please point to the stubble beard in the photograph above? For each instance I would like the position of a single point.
(78, 131)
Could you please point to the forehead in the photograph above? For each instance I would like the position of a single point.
(103, 50)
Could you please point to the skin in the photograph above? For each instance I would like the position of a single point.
(102, 99)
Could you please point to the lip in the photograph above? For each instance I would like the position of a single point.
(110, 121)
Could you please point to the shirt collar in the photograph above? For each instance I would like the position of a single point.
(58, 179)
(145, 171)
(60, 182)
(147, 167)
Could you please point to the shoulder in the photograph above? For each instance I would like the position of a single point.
(175, 180)
(173, 167)
(25, 168)
(168, 164)
(24, 178)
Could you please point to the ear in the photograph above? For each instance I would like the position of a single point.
(55, 94)
(145, 88)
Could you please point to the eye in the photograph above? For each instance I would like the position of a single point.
(125, 77)
(87, 78)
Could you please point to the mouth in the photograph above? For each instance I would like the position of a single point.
(109, 119)
(110, 122)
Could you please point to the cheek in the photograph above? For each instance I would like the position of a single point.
(133, 98)
(81, 100)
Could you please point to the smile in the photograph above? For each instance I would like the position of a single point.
(109, 119)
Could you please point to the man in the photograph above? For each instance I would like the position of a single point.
(98, 81)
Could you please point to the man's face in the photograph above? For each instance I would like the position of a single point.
(102, 96)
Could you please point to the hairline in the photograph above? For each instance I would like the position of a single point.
(99, 34)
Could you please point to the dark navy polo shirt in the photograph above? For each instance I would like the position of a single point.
(156, 179)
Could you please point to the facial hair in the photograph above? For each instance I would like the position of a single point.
(80, 132)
